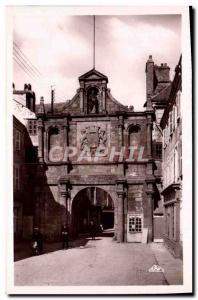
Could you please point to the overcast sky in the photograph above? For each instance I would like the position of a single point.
(61, 48)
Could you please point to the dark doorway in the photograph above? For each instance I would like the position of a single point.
(92, 204)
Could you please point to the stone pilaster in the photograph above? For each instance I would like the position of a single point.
(120, 210)
(120, 131)
(65, 129)
(150, 208)
(45, 145)
(81, 93)
(104, 97)
(149, 136)
(64, 200)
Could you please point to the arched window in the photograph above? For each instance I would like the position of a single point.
(54, 144)
(92, 101)
(134, 140)
(134, 136)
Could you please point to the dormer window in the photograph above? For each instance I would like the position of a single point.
(92, 101)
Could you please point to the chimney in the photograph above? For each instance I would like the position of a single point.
(29, 87)
(41, 109)
(30, 97)
(163, 73)
(149, 76)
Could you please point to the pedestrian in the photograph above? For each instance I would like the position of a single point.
(92, 230)
(38, 238)
(65, 237)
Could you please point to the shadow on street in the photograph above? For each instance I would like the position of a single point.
(23, 250)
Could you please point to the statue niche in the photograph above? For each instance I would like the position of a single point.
(92, 101)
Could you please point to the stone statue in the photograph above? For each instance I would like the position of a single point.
(93, 101)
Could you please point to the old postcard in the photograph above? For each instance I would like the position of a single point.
(99, 114)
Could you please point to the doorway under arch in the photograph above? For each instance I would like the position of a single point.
(92, 204)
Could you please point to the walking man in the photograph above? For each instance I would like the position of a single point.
(65, 237)
(92, 230)
(38, 238)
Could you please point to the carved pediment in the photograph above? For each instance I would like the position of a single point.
(93, 75)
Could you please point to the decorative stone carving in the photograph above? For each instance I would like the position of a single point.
(93, 137)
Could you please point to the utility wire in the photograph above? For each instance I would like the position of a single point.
(17, 54)
(24, 65)
(24, 69)
(16, 46)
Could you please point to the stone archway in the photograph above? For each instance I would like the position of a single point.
(92, 203)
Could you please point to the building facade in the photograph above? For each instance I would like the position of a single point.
(24, 161)
(171, 124)
(95, 163)
(158, 87)
(92, 158)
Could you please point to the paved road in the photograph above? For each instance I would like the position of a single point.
(99, 262)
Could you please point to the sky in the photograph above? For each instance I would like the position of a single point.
(59, 48)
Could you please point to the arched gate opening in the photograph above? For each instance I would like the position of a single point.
(92, 204)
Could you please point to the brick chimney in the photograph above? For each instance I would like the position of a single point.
(162, 73)
(149, 76)
(30, 97)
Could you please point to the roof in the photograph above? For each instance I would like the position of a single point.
(175, 87)
(162, 95)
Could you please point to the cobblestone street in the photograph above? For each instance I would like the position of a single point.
(100, 262)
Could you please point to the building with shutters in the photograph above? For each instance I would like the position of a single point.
(24, 163)
(171, 124)
(158, 87)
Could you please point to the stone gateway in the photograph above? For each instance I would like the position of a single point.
(95, 163)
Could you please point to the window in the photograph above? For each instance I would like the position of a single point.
(134, 139)
(55, 150)
(166, 136)
(16, 178)
(17, 140)
(178, 103)
(157, 150)
(172, 221)
(135, 224)
(32, 127)
(176, 164)
(167, 221)
(171, 121)
(174, 118)
(180, 159)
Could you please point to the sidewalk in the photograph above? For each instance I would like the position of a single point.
(173, 267)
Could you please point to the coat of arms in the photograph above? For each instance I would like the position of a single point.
(93, 137)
